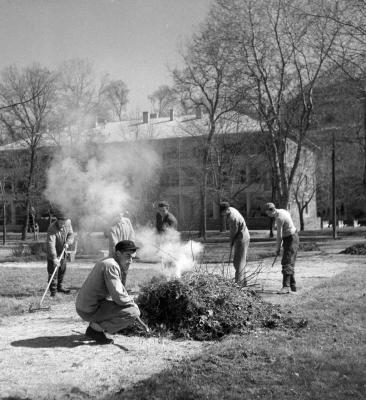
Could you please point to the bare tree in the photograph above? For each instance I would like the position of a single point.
(304, 186)
(162, 99)
(114, 93)
(77, 98)
(281, 50)
(27, 121)
(350, 56)
(205, 83)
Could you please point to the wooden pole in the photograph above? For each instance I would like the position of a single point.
(334, 210)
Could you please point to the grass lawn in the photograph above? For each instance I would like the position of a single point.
(326, 360)
(20, 287)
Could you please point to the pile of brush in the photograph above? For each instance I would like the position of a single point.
(356, 249)
(206, 307)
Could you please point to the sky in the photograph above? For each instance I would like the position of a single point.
(133, 40)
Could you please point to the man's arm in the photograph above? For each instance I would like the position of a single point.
(70, 236)
(279, 225)
(173, 222)
(235, 227)
(51, 246)
(115, 288)
(131, 232)
(113, 237)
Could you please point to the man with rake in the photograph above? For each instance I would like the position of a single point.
(60, 236)
(287, 235)
(239, 240)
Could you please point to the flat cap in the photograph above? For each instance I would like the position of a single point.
(269, 207)
(126, 245)
(60, 215)
(224, 205)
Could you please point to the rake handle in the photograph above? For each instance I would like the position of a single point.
(52, 276)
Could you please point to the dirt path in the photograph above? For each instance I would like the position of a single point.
(45, 355)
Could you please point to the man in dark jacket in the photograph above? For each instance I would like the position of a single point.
(165, 220)
(60, 235)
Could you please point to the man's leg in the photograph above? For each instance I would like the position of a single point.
(50, 269)
(60, 277)
(239, 261)
(290, 248)
(293, 282)
(112, 318)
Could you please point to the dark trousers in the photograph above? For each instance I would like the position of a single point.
(241, 246)
(290, 246)
(288, 280)
(59, 275)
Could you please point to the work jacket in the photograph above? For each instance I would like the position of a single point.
(121, 230)
(237, 225)
(166, 222)
(103, 283)
(57, 238)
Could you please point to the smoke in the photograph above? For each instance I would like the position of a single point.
(175, 255)
(93, 184)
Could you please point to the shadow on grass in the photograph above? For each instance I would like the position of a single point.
(68, 341)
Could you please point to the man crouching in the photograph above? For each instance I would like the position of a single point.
(103, 301)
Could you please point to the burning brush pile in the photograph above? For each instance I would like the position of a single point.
(206, 307)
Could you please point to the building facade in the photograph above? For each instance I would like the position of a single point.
(238, 171)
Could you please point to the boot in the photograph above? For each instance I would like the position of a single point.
(285, 284)
(284, 290)
(60, 289)
(293, 283)
(99, 337)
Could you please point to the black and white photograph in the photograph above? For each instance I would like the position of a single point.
(183, 199)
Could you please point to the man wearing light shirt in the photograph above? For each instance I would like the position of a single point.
(239, 240)
(287, 235)
(103, 301)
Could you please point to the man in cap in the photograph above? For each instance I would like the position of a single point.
(287, 235)
(165, 220)
(121, 229)
(239, 240)
(103, 301)
(60, 236)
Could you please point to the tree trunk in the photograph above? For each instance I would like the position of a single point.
(223, 227)
(203, 214)
(301, 216)
(203, 217)
(4, 223)
(364, 143)
(28, 194)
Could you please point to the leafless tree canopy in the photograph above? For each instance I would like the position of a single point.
(115, 93)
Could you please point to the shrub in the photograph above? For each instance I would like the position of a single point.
(21, 250)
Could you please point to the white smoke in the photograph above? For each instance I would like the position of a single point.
(93, 186)
(175, 255)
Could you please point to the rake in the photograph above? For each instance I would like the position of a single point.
(33, 308)
(273, 263)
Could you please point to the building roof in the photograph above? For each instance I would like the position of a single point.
(154, 129)
(163, 128)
